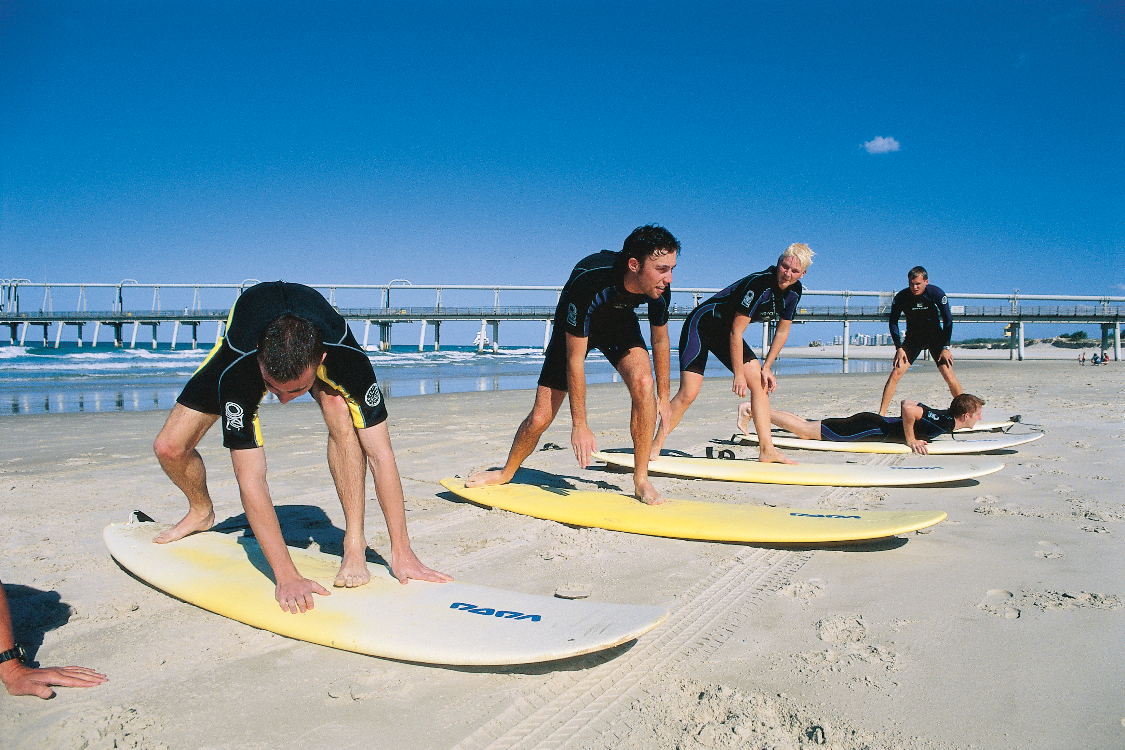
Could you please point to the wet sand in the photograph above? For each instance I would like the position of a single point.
(1000, 627)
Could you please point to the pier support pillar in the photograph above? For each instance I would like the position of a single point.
(385, 336)
(12, 329)
(1116, 342)
(1105, 337)
(847, 325)
(546, 335)
(366, 331)
(45, 327)
(118, 339)
(1019, 332)
(422, 337)
(97, 329)
(437, 335)
(495, 336)
(480, 337)
(133, 338)
(154, 325)
(175, 333)
(77, 325)
(58, 334)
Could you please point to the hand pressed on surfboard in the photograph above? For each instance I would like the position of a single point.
(296, 594)
(405, 566)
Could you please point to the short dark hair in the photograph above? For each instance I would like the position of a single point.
(916, 272)
(646, 241)
(288, 346)
(965, 404)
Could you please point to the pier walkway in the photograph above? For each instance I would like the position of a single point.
(1014, 310)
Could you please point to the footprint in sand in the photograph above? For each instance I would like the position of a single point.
(1048, 551)
(842, 629)
(999, 602)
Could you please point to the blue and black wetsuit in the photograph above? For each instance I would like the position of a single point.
(708, 326)
(229, 382)
(929, 324)
(596, 306)
(870, 426)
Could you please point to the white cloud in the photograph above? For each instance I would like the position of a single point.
(881, 145)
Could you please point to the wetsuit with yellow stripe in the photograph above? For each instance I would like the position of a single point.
(229, 382)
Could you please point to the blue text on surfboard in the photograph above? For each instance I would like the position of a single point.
(507, 614)
(819, 515)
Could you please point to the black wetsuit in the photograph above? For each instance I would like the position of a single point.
(229, 382)
(596, 306)
(708, 326)
(929, 324)
(870, 426)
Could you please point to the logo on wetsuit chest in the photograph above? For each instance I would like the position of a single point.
(572, 315)
(234, 415)
(505, 614)
(374, 396)
(748, 299)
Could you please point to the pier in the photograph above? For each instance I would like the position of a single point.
(1014, 310)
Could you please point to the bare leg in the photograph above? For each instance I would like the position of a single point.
(547, 403)
(892, 384)
(946, 371)
(636, 370)
(175, 450)
(760, 406)
(690, 383)
(348, 466)
(799, 426)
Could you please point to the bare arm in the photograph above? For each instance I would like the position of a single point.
(581, 437)
(780, 336)
(740, 386)
(911, 413)
(293, 591)
(20, 679)
(662, 363)
(376, 442)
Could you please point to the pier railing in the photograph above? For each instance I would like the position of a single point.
(183, 305)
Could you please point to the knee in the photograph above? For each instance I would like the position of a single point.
(641, 388)
(168, 450)
(335, 409)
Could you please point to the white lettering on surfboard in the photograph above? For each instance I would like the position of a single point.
(820, 515)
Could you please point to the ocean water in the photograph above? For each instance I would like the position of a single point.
(45, 380)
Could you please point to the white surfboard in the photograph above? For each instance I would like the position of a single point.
(987, 427)
(934, 448)
(433, 623)
(813, 475)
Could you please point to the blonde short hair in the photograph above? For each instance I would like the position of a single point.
(800, 252)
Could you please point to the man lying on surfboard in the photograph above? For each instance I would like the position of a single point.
(597, 311)
(916, 427)
(288, 340)
(716, 326)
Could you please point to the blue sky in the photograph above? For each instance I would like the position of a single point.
(500, 142)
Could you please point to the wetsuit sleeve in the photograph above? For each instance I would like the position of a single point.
(658, 309)
(792, 298)
(942, 303)
(240, 391)
(892, 320)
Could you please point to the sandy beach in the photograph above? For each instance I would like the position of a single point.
(1000, 627)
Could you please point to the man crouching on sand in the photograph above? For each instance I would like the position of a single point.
(916, 427)
(596, 311)
(287, 339)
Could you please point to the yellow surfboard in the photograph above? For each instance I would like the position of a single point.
(688, 519)
(432, 623)
(935, 448)
(811, 475)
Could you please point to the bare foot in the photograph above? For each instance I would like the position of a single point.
(487, 478)
(646, 493)
(774, 457)
(190, 524)
(353, 567)
(744, 415)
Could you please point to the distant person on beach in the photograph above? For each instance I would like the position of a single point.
(917, 425)
(288, 340)
(597, 311)
(929, 325)
(21, 679)
(716, 326)
(1082, 358)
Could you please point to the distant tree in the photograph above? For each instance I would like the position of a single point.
(1076, 336)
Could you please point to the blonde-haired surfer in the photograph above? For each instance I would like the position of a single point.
(716, 327)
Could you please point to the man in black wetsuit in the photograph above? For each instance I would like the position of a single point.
(286, 339)
(596, 311)
(916, 427)
(929, 325)
(716, 326)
